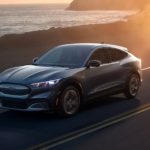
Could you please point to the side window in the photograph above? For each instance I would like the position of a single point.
(116, 55)
(100, 54)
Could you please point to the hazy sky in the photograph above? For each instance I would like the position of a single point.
(33, 1)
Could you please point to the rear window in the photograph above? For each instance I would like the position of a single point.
(116, 55)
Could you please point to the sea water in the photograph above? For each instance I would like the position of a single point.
(16, 19)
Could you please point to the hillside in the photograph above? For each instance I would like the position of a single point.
(108, 4)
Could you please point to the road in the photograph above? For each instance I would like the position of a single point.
(19, 131)
(132, 134)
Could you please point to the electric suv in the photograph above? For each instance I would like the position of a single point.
(69, 75)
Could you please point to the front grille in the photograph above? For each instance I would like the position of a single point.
(14, 89)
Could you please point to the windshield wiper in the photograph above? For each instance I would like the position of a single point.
(60, 66)
(54, 65)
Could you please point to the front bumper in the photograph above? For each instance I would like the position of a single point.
(36, 107)
(36, 100)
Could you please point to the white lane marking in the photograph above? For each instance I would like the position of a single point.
(147, 68)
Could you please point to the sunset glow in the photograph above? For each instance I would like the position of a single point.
(32, 1)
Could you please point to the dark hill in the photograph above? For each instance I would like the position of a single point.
(108, 4)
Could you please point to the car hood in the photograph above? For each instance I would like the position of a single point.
(31, 74)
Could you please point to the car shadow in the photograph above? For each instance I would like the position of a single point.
(113, 104)
(124, 103)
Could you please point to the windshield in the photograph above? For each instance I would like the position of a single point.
(65, 56)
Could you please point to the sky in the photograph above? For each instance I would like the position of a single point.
(32, 1)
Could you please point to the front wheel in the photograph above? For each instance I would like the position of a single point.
(69, 102)
(132, 86)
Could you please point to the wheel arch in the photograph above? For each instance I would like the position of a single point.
(137, 73)
(75, 83)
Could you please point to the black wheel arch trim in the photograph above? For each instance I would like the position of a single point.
(72, 82)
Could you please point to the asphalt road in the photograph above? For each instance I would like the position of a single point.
(19, 131)
(132, 134)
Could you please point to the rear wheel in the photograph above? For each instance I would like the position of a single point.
(132, 86)
(69, 102)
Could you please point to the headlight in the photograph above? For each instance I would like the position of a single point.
(45, 84)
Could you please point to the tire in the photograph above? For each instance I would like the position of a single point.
(69, 102)
(132, 86)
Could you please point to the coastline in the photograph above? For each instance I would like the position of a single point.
(19, 49)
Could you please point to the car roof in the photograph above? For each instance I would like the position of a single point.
(93, 46)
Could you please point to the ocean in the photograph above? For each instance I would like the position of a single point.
(17, 19)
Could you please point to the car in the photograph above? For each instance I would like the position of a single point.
(70, 75)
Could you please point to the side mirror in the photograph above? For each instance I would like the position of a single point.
(34, 60)
(94, 63)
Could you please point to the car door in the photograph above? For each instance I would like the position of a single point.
(119, 72)
(103, 78)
